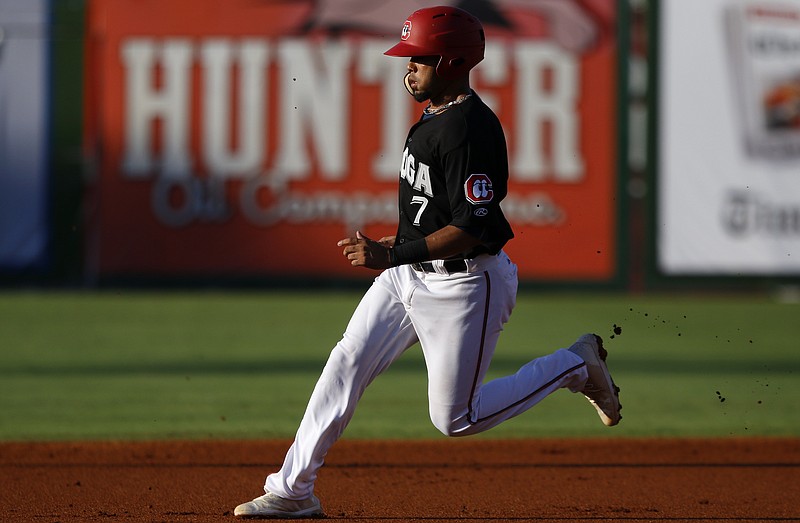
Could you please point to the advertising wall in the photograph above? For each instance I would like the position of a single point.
(23, 133)
(246, 138)
(729, 170)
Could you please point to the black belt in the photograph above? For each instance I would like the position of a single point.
(449, 266)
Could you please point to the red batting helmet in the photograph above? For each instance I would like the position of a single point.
(448, 32)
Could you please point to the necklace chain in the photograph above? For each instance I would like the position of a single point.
(431, 112)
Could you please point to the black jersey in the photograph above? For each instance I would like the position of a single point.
(455, 172)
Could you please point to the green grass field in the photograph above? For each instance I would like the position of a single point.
(153, 365)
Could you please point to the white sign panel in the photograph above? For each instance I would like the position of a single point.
(23, 133)
(729, 127)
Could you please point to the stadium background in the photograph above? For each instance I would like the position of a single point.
(146, 148)
(165, 149)
(128, 164)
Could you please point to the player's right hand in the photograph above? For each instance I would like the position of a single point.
(365, 252)
(387, 241)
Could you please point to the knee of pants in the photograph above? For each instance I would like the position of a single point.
(449, 422)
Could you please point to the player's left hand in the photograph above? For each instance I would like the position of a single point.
(365, 252)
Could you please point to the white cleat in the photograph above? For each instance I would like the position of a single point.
(600, 389)
(271, 506)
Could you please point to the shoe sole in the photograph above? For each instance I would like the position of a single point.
(313, 514)
(599, 353)
(314, 511)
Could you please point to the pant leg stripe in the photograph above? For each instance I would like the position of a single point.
(528, 397)
(480, 353)
(470, 413)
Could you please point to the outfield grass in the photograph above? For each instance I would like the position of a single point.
(130, 365)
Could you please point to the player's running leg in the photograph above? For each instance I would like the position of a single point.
(459, 330)
(378, 333)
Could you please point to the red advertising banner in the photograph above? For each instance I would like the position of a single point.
(233, 137)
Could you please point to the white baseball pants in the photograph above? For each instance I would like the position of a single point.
(457, 318)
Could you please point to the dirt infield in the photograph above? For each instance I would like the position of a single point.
(447, 480)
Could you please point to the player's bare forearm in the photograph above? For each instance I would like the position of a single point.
(449, 241)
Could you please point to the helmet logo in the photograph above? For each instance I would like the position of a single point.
(406, 32)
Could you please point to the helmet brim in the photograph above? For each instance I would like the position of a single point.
(406, 49)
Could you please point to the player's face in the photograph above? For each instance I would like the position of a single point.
(422, 79)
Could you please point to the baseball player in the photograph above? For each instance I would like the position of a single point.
(445, 282)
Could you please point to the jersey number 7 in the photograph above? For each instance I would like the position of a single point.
(423, 202)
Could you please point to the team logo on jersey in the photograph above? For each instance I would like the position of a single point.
(406, 32)
(478, 189)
